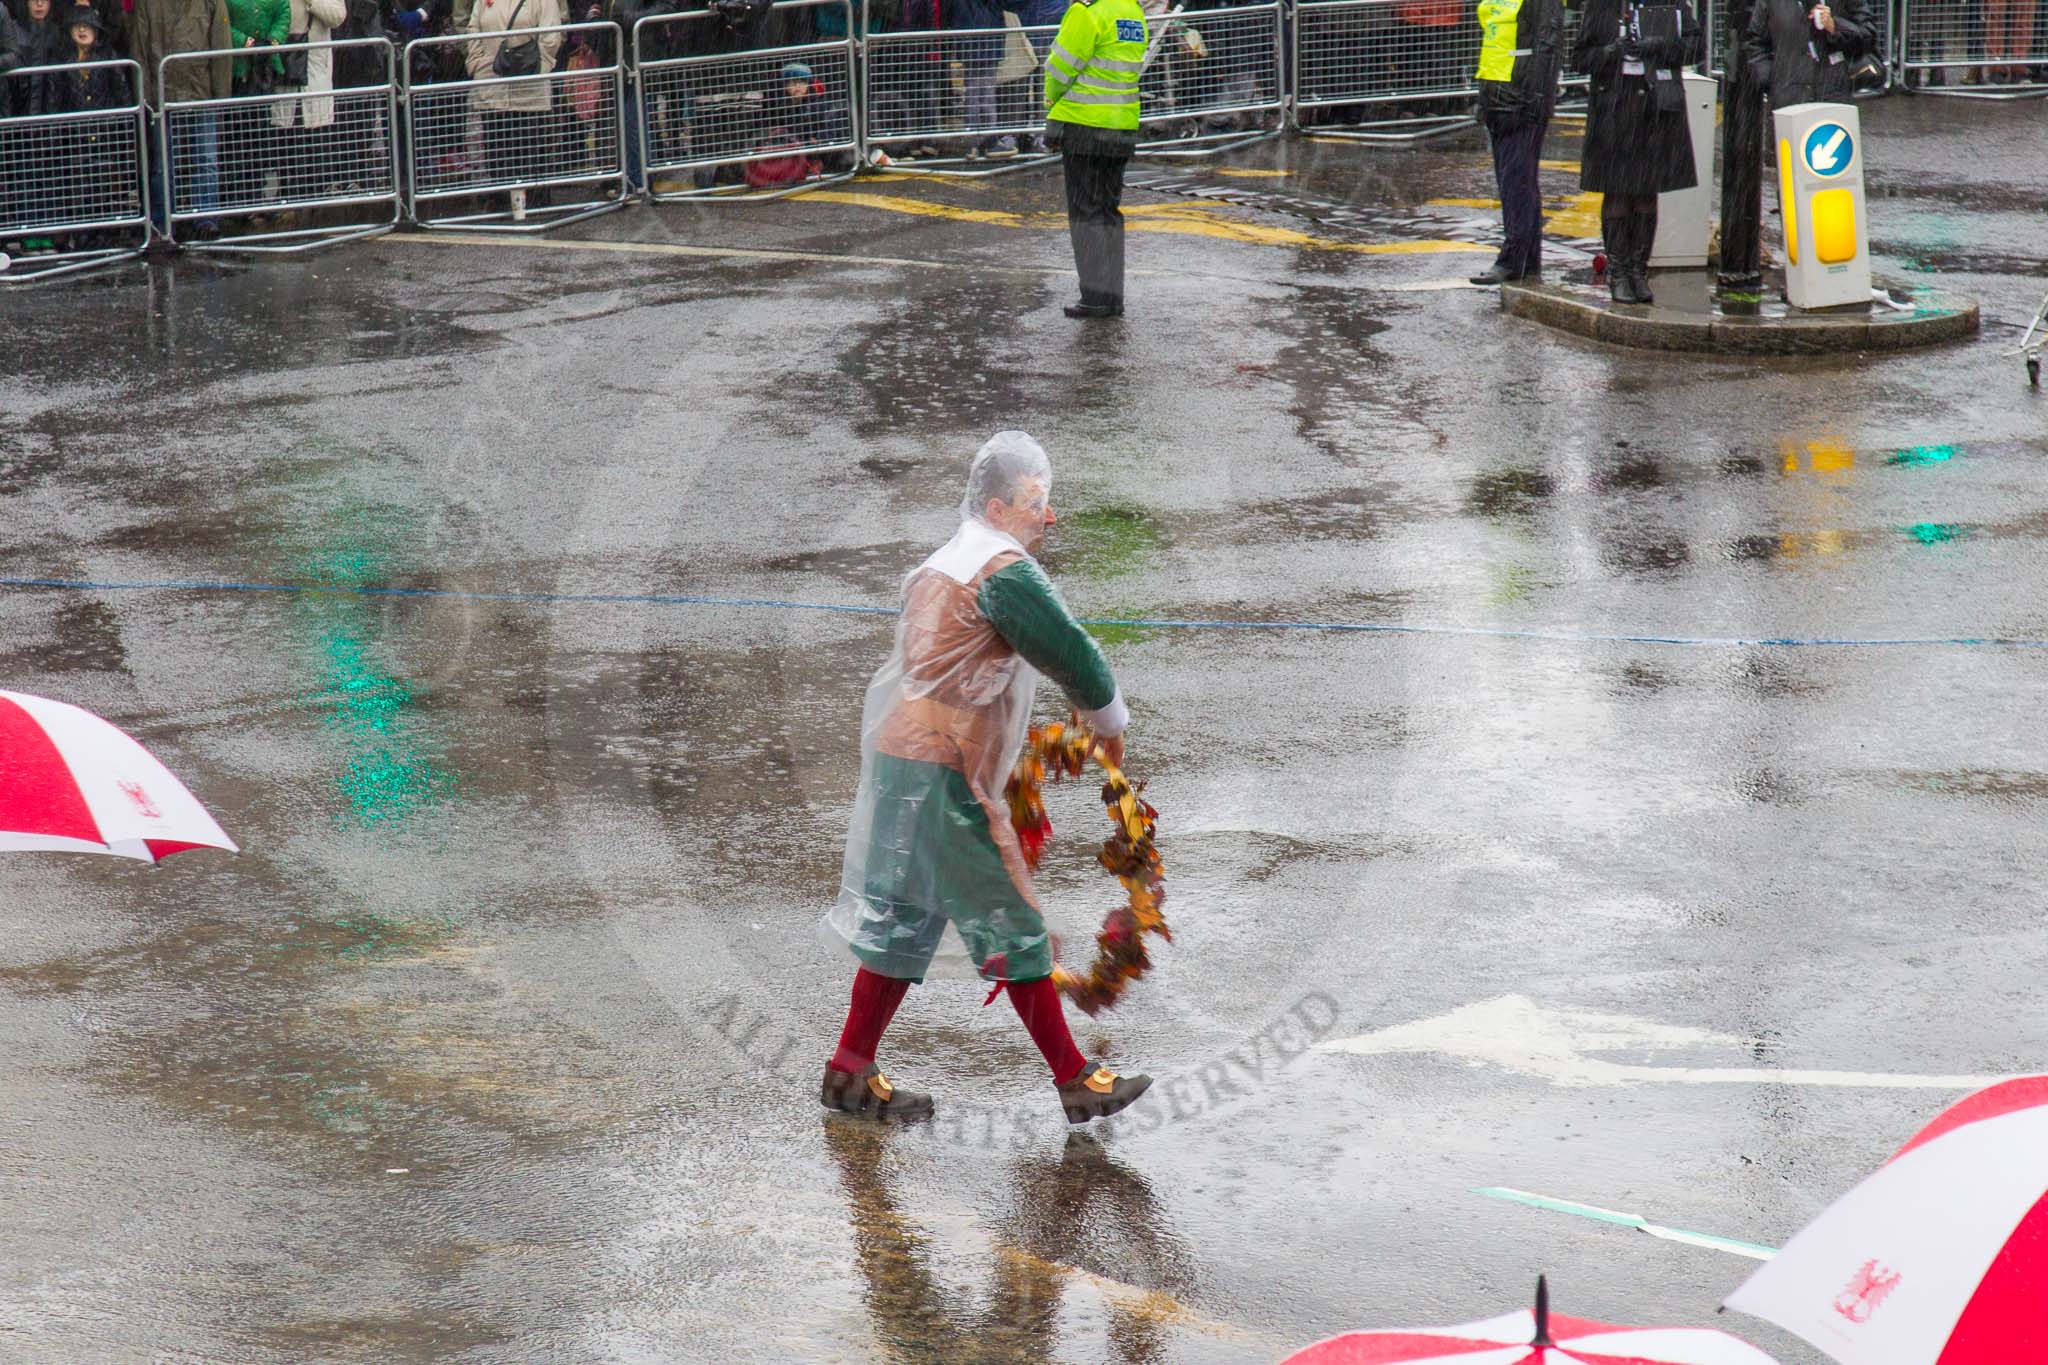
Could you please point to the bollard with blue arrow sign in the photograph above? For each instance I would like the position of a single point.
(1820, 197)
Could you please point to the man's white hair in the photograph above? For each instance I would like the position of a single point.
(1005, 462)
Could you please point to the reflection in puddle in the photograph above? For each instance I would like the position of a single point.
(388, 775)
(1914, 457)
(1082, 1219)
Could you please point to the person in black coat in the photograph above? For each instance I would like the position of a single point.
(1516, 112)
(1803, 52)
(79, 92)
(1638, 144)
(90, 148)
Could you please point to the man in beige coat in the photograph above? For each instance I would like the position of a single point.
(517, 112)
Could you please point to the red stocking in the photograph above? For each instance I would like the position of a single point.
(875, 998)
(1038, 1005)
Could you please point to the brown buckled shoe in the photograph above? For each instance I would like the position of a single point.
(870, 1093)
(1099, 1092)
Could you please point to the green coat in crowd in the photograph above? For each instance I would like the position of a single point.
(267, 21)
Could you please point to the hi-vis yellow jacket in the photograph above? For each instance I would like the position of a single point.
(1091, 74)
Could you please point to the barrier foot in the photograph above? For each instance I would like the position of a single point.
(959, 167)
(287, 243)
(1419, 130)
(26, 270)
(1962, 92)
(1188, 149)
(536, 221)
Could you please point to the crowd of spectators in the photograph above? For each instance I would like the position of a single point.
(971, 95)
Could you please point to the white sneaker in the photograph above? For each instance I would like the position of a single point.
(878, 157)
(519, 206)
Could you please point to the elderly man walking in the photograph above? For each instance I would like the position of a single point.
(931, 843)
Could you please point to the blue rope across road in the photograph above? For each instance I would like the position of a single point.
(1135, 623)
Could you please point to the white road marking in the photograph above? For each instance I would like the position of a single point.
(1518, 1035)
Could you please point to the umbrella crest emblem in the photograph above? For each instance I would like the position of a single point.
(1868, 1288)
(143, 805)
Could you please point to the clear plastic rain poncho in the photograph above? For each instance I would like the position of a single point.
(933, 868)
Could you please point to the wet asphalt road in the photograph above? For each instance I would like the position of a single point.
(500, 1040)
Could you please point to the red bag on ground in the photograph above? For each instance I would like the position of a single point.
(775, 172)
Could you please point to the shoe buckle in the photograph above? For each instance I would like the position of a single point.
(1103, 1081)
(879, 1087)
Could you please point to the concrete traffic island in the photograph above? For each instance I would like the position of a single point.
(1690, 315)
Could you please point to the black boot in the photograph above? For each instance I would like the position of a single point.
(1099, 1092)
(1645, 236)
(1616, 237)
(869, 1092)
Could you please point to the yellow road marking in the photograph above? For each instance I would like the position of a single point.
(722, 253)
(1462, 203)
(1571, 166)
(1193, 220)
(1579, 218)
(919, 208)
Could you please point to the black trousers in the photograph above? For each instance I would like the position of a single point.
(1517, 148)
(1095, 222)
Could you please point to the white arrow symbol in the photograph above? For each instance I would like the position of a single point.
(1516, 1034)
(1825, 154)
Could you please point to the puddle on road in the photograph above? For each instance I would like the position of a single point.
(1083, 1225)
(933, 366)
(2000, 785)
(1517, 491)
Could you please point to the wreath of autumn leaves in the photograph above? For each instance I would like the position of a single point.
(1128, 854)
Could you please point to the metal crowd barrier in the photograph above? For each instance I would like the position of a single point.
(1404, 67)
(939, 97)
(1984, 49)
(328, 158)
(522, 137)
(1214, 80)
(76, 180)
(742, 125)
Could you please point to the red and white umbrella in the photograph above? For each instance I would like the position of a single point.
(71, 782)
(1938, 1258)
(1534, 1338)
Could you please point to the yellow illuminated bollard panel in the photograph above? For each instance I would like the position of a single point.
(1820, 198)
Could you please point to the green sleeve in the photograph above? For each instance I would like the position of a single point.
(1071, 49)
(1021, 604)
(280, 23)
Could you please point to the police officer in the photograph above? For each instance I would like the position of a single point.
(1517, 78)
(1091, 102)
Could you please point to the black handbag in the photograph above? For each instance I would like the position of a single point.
(295, 61)
(1867, 73)
(517, 59)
